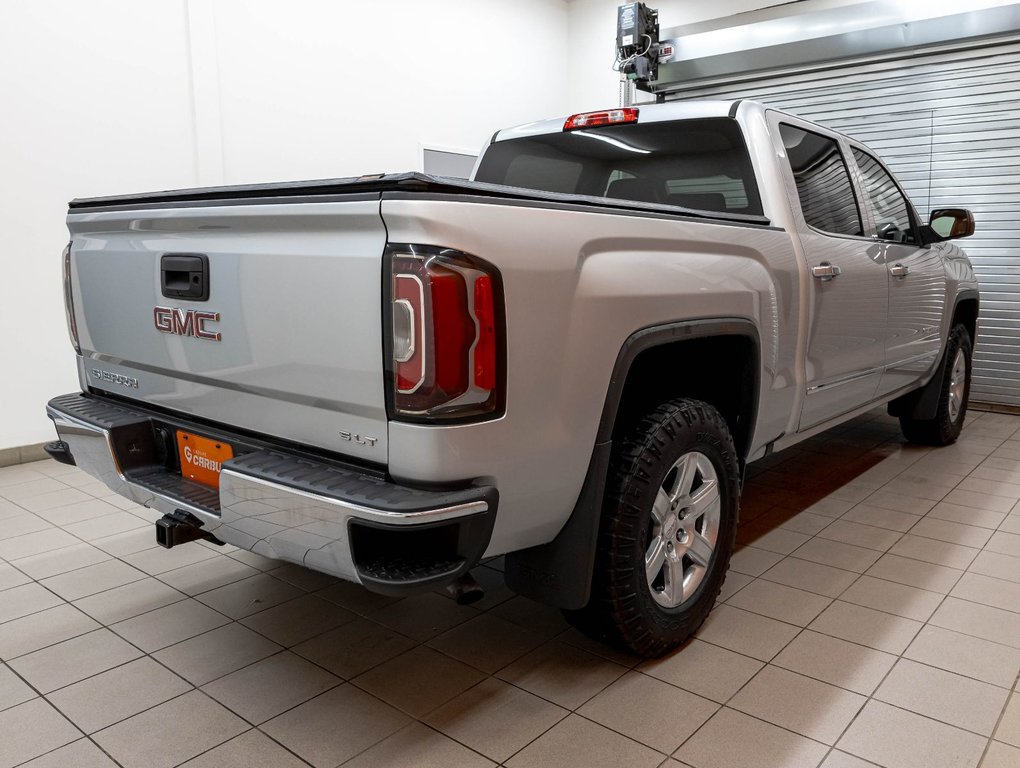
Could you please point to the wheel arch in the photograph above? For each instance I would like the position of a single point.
(965, 311)
(731, 385)
(559, 573)
(923, 402)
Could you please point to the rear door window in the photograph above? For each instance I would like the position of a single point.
(824, 188)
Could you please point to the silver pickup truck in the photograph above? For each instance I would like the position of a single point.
(569, 359)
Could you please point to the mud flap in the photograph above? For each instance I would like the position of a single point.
(559, 573)
(921, 404)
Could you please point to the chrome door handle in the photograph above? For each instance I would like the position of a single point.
(826, 271)
(898, 270)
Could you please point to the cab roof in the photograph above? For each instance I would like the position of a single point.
(647, 113)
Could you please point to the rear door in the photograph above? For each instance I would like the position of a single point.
(916, 277)
(287, 341)
(848, 304)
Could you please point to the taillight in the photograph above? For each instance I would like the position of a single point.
(446, 326)
(72, 325)
(605, 117)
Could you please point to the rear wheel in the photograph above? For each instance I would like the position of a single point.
(667, 531)
(945, 427)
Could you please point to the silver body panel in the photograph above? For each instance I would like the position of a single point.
(297, 287)
(577, 284)
(942, 118)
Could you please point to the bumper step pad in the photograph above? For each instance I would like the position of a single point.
(321, 513)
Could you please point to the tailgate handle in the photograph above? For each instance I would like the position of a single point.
(184, 276)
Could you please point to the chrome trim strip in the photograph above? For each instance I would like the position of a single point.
(929, 357)
(365, 513)
(845, 379)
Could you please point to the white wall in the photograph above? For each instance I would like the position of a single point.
(307, 91)
(94, 98)
(116, 96)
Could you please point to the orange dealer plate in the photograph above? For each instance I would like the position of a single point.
(202, 458)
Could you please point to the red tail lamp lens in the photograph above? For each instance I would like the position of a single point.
(485, 348)
(453, 331)
(445, 327)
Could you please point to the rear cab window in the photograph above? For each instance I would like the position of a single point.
(700, 164)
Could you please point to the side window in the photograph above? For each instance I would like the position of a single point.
(892, 217)
(616, 175)
(711, 193)
(823, 182)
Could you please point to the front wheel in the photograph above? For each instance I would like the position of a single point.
(667, 532)
(945, 427)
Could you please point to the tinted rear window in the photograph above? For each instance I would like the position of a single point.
(700, 164)
(823, 181)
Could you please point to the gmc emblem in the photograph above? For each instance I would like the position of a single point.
(185, 322)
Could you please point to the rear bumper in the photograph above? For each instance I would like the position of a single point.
(325, 515)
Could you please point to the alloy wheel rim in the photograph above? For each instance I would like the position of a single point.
(957, 384)
(684, 530)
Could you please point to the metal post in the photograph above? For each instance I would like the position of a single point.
(626, 92)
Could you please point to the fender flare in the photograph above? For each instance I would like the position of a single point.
(923, 403)
(559, 573)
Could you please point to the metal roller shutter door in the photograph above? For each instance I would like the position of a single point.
(948, 124)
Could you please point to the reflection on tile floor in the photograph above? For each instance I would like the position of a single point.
(871, 617)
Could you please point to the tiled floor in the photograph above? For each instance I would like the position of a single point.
(872, 616)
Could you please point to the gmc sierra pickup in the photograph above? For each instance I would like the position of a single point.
(569, 359)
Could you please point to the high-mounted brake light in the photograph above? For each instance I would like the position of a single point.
(605, 117)
(446, 326)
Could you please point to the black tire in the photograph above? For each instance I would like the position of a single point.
(945, 427)
(622, 609)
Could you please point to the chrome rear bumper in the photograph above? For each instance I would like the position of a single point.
(321, 514)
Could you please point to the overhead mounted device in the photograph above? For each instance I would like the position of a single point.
(637, 43)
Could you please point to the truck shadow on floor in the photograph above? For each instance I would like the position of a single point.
(793, 494)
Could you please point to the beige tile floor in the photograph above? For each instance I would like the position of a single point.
(871, 617)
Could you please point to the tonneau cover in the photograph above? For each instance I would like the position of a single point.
(385, 185)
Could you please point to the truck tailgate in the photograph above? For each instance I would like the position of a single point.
(294, 297)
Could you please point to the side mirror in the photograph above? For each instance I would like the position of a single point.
(950, 223)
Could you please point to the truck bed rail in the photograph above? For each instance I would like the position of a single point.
(391, 186)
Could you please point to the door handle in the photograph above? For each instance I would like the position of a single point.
(898, 270)
(826, 271)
